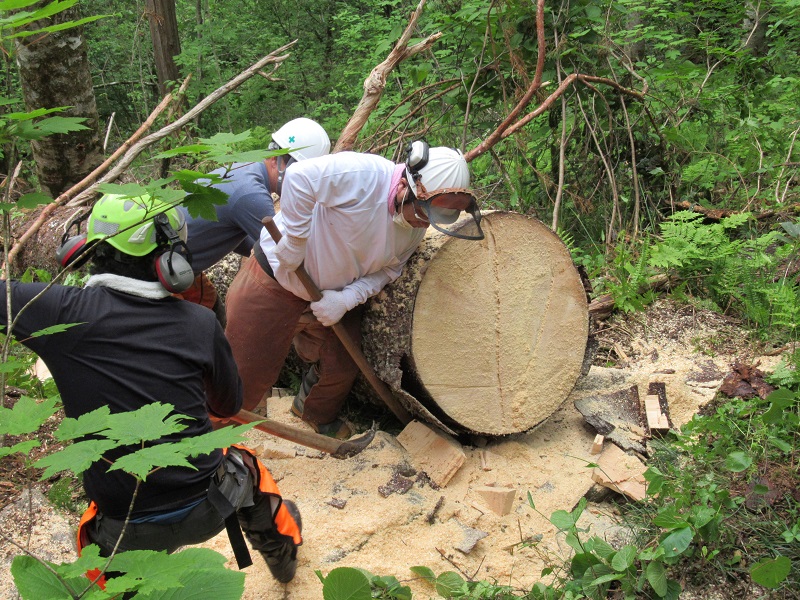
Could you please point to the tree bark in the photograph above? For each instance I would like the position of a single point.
(166, 42)
(483, 336)
(54, 71)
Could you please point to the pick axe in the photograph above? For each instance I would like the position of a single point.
(352, 348)
(336, 448)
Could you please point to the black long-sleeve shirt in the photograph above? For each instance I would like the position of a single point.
(130, 351)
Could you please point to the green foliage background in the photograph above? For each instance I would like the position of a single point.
(715, 125)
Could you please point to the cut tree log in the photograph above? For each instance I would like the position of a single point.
(481, 336)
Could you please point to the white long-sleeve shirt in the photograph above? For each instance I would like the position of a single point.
(340, 203)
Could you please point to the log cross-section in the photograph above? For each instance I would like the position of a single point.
(482, 336)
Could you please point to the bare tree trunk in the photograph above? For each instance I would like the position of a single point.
(54, 71)
(166, 43)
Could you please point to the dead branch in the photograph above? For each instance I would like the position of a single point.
(80, 193)
(376, 82)
(602, 306)
(137, 149)
(86, 181)
(715, 214)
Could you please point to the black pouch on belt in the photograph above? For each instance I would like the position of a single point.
(230, 490)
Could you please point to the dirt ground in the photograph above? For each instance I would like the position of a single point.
(352, 517)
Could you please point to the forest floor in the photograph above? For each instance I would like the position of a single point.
(355, 514)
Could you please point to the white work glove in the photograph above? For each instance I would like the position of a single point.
(331, 307)
(290, 252)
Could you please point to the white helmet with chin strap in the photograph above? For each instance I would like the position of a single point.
(305, 137)
(436, 168)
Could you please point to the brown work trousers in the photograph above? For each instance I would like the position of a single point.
(264, 319)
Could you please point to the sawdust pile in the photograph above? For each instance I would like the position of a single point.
(376, 511)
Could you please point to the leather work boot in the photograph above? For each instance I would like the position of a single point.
(338, 428)
(281, 555)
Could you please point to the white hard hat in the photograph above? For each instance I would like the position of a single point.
(436, 168)
(306, 135)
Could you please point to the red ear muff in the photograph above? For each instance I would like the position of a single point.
(174, 272)
(72, 251)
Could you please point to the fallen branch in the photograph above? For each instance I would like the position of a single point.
(137, 149)
(715, 214)
(376, 82)
(86, 181)
(511, 124)
(602, 306)
(83, 191)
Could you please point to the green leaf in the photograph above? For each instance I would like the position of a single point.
(738, 462)
(701, 515)
(562, 519)
(142, 462)
(76, 457)
(780, 400)
(53, 125)
(208, 442)
(655, 479)
(191, 573)
(669, 519)
(22, 447)
(129, 190)
(346, 583)
(602, 548)
(226, 157)
(624, 559)
(89, 559)
(225, 138)
(34, 580)
(676, 542)
(657, 577)
(582, 561)
(26, 416)
(33, 200)
(180, 150)
(86, 424)
(425, 572)
(771, 572)
(33, 114)
(12, 366)
(150, 422)
(449, 583)
(59, 328)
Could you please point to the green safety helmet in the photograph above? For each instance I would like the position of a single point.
(130, 223)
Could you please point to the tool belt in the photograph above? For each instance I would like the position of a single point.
(230, 489)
